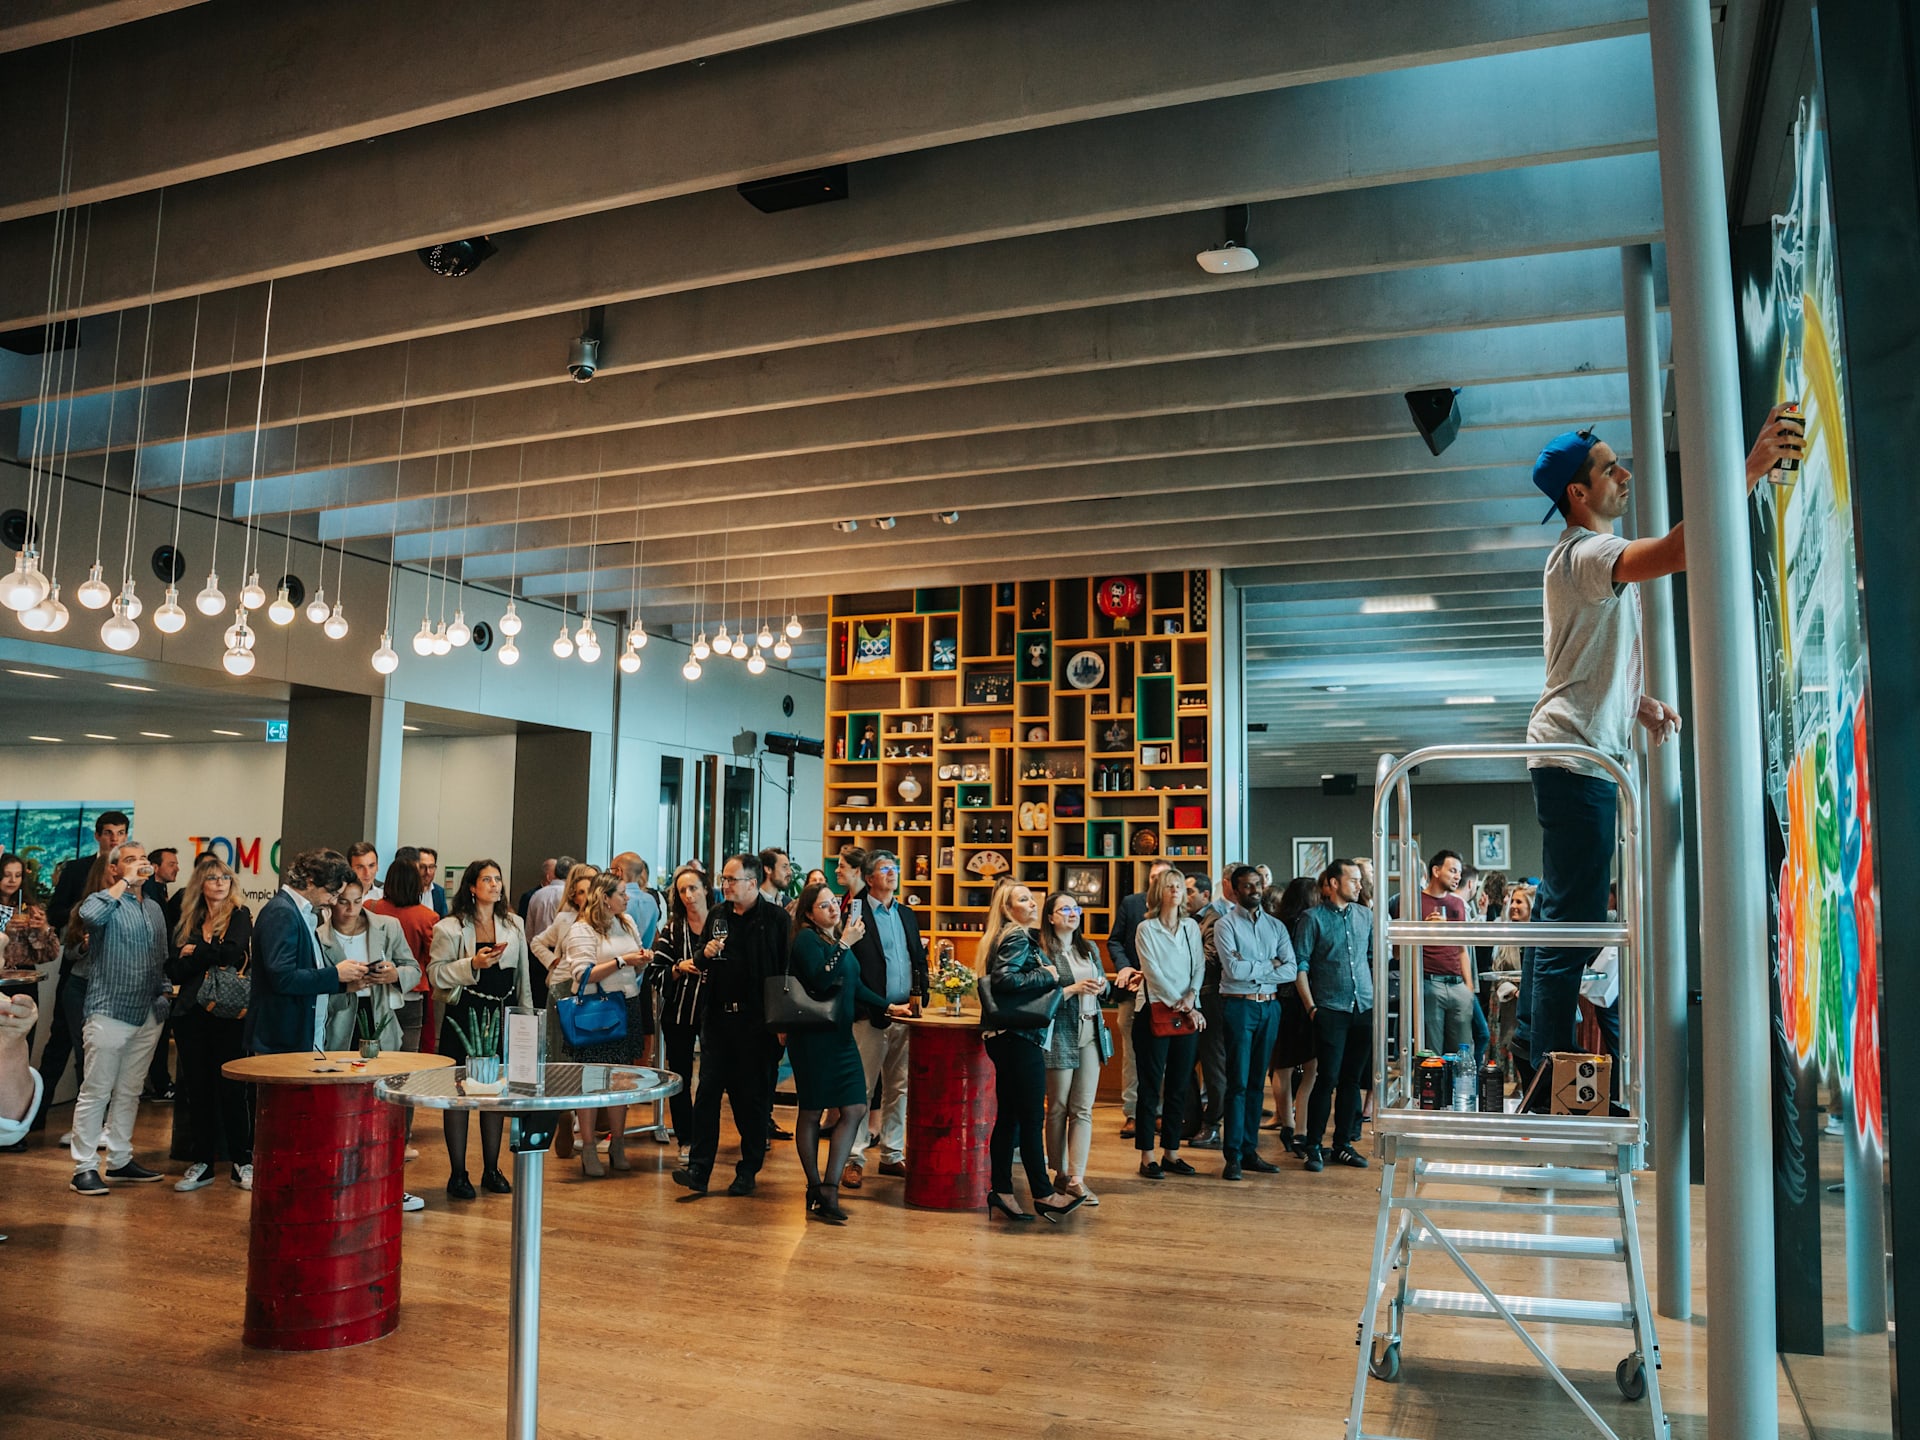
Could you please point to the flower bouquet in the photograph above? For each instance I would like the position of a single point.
(952, 981)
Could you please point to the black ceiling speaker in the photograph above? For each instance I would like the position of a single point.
(458, 257)
(1339, 784)
(15, 528)
(168, 565)
(482, 636)
(296, 589)
(790, 192)
(1436, 415)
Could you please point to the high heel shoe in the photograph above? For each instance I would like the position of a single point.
(995, 1203)
(829, 1202)
(617, 1154)
(590, 1163)
(1057, 1213)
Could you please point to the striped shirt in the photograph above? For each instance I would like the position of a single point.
(126, 955)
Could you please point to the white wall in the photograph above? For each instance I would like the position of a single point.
(456, 794)
(1443, 818)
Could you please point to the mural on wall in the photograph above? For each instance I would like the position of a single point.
(46, 836)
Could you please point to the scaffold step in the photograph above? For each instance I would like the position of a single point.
(1530, 1243)
(1472, 1305)
(1516, 1177)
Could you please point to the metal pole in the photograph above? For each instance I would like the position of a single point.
(1742, 1396)
(1666, 960)
(523, 1303)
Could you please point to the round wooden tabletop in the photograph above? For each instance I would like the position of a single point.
(937, 1016)
(341, 1067)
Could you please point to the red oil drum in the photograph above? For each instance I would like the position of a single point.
(950, 1114)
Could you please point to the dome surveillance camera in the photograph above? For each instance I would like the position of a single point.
(583, 358)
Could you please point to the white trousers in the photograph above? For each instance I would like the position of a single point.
(1070, 1112)
(117, 1057)
(883, 1056)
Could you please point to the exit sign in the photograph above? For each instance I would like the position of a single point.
(276, 732)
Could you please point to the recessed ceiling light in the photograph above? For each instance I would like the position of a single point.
(92, 736)
(156, 735)
(128, 685)
(1398, 604)
(846, 527)
(33, 674)
(1326, 775)
(1332, 689)
(49, 739)
(1471, 700)
(234, 733)
(885, 522)
(947, 517)
(410, 728)
(1345, 724)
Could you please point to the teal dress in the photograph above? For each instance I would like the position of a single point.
(826, 1063)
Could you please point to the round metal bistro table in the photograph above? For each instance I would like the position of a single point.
(533, 1111)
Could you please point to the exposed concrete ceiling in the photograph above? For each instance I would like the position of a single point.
(1003, 318)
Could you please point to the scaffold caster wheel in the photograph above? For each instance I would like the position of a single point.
(1385, 1363)
(1631, 1376)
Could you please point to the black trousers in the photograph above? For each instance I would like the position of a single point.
(1164, 1064)
(1343, 1044)
(1213, 1059)
(1020, 1087)
(217, 1108)
(69, 999)
(677, 1047)
(735, 1065)
(159, 1076)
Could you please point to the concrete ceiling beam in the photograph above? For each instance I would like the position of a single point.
(26, 23)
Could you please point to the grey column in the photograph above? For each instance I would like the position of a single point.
(552, 809)
(1742, 1399)
(343, 772)
(1666, 968)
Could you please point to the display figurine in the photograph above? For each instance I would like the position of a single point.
(840, 747)
(864, 751)
(920, 867)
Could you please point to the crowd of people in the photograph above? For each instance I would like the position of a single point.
(1225, 1001)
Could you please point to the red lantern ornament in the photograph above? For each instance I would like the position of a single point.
(1119, 600)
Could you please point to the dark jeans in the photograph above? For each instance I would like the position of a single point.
(1213, 1060)
(1020, 1087)
(1343, 1044)
(679, 1059)
(216, 1106)
(1577, 819)
(1482, 1032)
(1163, 1063)
(734, 1065)
(69, 1013)
(1249, 1031)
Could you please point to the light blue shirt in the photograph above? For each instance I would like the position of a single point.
(1256, 957)
(893, 944)
(644, 911)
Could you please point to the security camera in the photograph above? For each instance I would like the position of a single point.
(583, 358)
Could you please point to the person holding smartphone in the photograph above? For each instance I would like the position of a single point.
(214, 930)
(477, 961)
(603, 949)
(351, 931)
(126, 1008)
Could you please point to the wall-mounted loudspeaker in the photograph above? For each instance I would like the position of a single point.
(1436, 415)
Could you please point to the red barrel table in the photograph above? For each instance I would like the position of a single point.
(950, 1113)
(329, 1161)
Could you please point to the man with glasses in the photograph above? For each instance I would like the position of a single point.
(745, 941)
(69, 998)
(893, 963)
(287, 1010)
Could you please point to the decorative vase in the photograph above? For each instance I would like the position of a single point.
(910, 790)
(953, 1006)
(369, 1049)
(483, 1069)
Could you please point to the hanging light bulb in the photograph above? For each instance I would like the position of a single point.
(26, 585)
(765, 638)
(118, 632)
(210, 601)
(510, 622)
(170, 619)
(336, 626)
(691, 669)
(756, 662)
(588, 641)
(739, 651)
(637, 637)
(723, 642)
(782, 648)
(793, 627)
(563, 642)
(423, 641)
(459, 632)
(700, 649)
(317, 610)
(281, 611)
(94, 592)
(384, 659)
(37, 617)
(238, 660)
(442, 644)
(59, 620)
(130, 602)
(239, 633)
(630, 661)
(509, 652)
(253, 595)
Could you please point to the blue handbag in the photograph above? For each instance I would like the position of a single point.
(592, 1019)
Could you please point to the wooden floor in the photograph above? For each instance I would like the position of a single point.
(1187, 1307)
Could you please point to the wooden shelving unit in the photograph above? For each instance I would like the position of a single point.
(1075, 772)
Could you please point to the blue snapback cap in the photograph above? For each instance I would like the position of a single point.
(1558, 465)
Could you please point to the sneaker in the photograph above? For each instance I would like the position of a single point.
(410, 1154)
(157, 1097)
(199, 1175)
(1316, 1159)
(88, 1183)
(134, 1173)
(411, 1202)
(1347, 1155)
(242, 1177)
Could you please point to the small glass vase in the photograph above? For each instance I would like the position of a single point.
(953, 1006)
(369, 1049)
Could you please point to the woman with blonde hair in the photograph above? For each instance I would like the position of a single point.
(1166, 1029)
(827, 1073)
(1015, 965)
(603, 948)
(214, 932)
(546, 947)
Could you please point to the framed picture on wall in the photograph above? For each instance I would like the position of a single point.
(1312, 854)
(1493, 847)
(1393, 856)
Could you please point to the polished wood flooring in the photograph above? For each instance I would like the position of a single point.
(1186, 1307)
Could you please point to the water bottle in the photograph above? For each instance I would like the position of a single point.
(1463, 1086)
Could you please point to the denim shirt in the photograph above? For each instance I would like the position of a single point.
(1335, 950)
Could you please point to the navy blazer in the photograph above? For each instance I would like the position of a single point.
(280, 1011)
(873, 959)
(1126, 921)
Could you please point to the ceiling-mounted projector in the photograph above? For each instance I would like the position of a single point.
(1231, 256)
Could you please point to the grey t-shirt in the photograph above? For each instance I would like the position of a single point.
(1592, 695)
